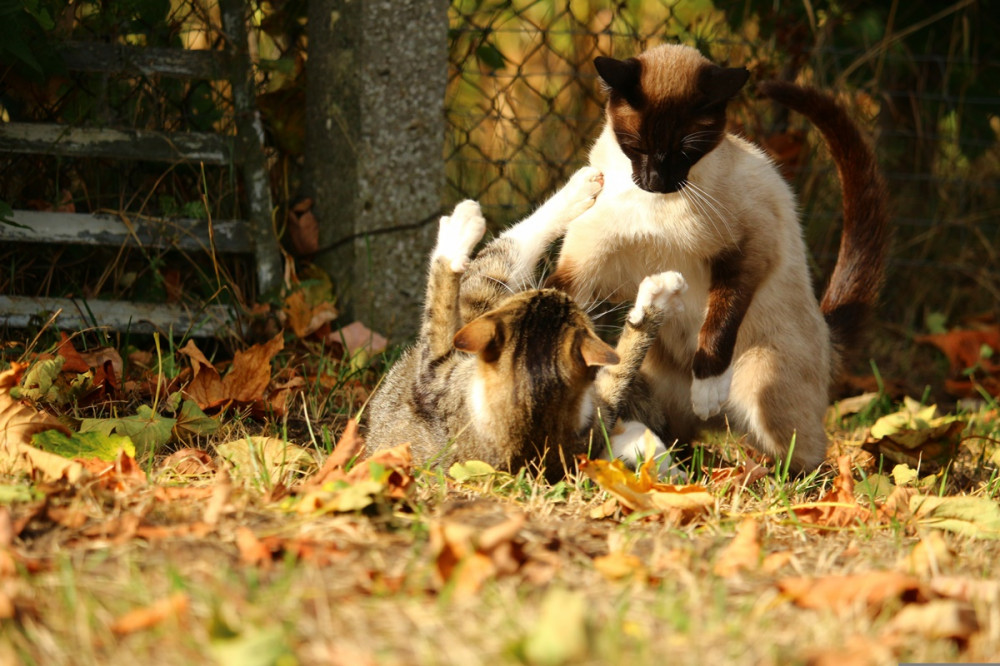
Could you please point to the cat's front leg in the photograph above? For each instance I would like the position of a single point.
(736, 274)
(659, 296)
(534, 234)
(457, 236)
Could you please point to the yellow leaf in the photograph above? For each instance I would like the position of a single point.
(678, 502)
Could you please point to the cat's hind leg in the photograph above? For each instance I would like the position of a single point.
(633, 443)
(458, 234)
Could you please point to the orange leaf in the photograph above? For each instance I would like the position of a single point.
(743, 552)
(963, 347)
(205, 387)
(348, 446)
(841, 593)
(838, 508)
(676, 502)
(74, 362)
(176, 605)
(250, 373)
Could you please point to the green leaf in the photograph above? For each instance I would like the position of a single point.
(977, 517)
(472, 469)
(11, 494)
(559, 636)
(39, 381)
(255, 647)
(147, 429)
(192, 421)
(875, 487)
(84, 444)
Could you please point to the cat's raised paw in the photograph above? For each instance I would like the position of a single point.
(661, 291)
(581, 190)
(708, 395)
(459, 233)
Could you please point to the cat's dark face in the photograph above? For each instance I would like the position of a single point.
(668, 110)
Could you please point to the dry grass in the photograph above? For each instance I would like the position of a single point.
(372, 586)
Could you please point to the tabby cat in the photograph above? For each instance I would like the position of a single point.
(508, 374)
(680, 193)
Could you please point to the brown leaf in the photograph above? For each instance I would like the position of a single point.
(221, 492)
(963, 347)
(188, 462)
(940, 618)
(743, 552)
(842, 593)
(399, 460)
(619, 565)
(250, 373)
(252, 551)
(838, 508)
(466, 556)
(350, 444)
(176, 605)
(205, 387)
(99, 358)
(303, 228)
(74, 362)
(303, 318)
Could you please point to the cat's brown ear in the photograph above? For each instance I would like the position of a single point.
(597, 352)
(483, 336)
(621, 76)
(720, 84)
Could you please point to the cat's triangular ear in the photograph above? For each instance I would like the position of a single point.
(621, 76)
(596, 352)
(720, 84)
(482, 336)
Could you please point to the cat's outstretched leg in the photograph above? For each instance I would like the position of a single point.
(457, 235)
(507, 264)
(659, 296)
(534, 234)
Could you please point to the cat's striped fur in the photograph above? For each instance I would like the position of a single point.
(505, 373)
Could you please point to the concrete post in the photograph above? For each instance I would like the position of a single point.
(375, 130)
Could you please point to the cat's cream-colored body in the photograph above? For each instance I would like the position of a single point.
(781, 366)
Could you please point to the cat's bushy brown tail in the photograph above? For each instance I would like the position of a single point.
(858, 275)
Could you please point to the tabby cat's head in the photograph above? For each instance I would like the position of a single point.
(540, 340)
(667, 108)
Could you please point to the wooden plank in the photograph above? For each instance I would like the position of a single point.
(114, 230)
(146, 145)
(141, 318)
(175, 63)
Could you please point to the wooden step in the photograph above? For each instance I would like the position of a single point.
(229, 236)
(213, 321)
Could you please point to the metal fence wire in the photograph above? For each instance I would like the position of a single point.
(524, 105)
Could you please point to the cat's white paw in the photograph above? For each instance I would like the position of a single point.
(710, 394)
(581, 191)
(632, 442)
(459, 233)
(661, 291)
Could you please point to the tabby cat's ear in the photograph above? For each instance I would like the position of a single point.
(483, 336)
(720, 84)
(621, 76)
(597, 352)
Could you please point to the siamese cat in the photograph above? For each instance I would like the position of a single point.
(508, 374)
(751, 344)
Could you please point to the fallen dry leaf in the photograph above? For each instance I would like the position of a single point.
(743, 552)
(677, 503)
(174, 606)
(466, 555)
(618, 565)
(842, 593)
(250, 372)
(928, 556)
(188, 462)
(221, 492)
(350, 445)
(939, 618)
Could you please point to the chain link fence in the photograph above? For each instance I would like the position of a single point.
(524, 105)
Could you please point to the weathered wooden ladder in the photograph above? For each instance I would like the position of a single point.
(254, 235)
